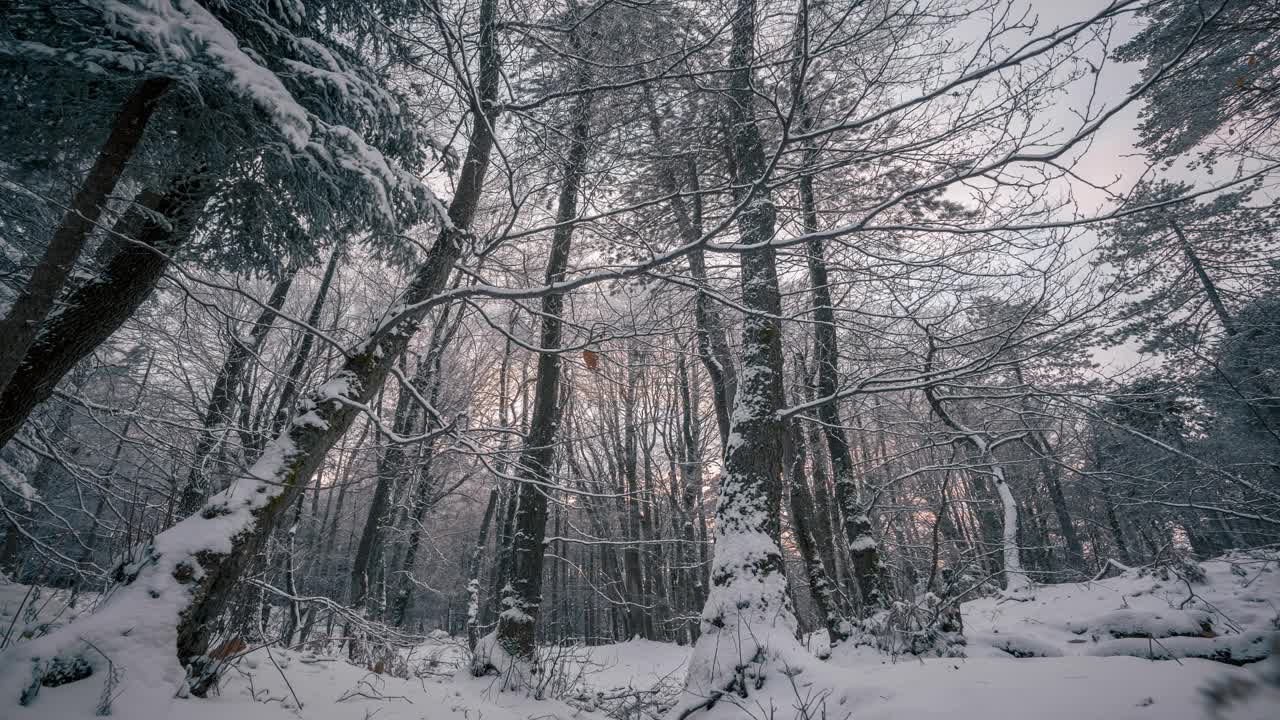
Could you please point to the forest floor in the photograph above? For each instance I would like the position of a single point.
(1134, 646)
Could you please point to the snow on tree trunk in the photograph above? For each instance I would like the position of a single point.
(223, 396)
(284, 405)
(173, 589)
(1015, 579)
(510, 648)
(748, 627)
(748, 624)
(982, 451)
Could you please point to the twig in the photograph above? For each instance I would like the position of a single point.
(282, 675)
(16, 613)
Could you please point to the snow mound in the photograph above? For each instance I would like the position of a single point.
(1241, 649)
(1146, 624)
(1227, 615)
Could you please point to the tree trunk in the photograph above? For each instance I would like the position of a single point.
(825, 594)
(1014, 577)
(473, 572)
(1052, 474)
(234, 525)
(1206, 283)
(713, 349)
(288, 395)
(690, 498)
(517, 624)
(223, 396)
(748, 625)
(11, 555)
(821, 525)
(98, 308)
(631, 552)
(982, 452)
(1053, 480)
(293, 621)
(864, 551)
(91, 543)
(655, 569)
(23, 324)
(429, 374)
(368, 557)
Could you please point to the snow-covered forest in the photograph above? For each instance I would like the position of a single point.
(640, 359)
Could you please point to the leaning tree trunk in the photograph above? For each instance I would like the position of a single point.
(24, 322)
(99, 307)
(187, 573)
(748, 625)
(516, 632)
(223, 396)
(287, 463)
(826, 596)
(1207, 284)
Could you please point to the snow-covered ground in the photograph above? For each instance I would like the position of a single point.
(1231, 613)
(1083, 652)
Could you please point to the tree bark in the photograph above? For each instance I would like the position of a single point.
(631, 552)
(748, 621)
(825, 594)
(98, 308)
(713, 349)
(24, 322)
(429, 374)
(517, 624)
(1053, 481)
(368, 557)
(288, 462)
(223, 396)
(821, 526)
(864, 550)
(473, 572)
